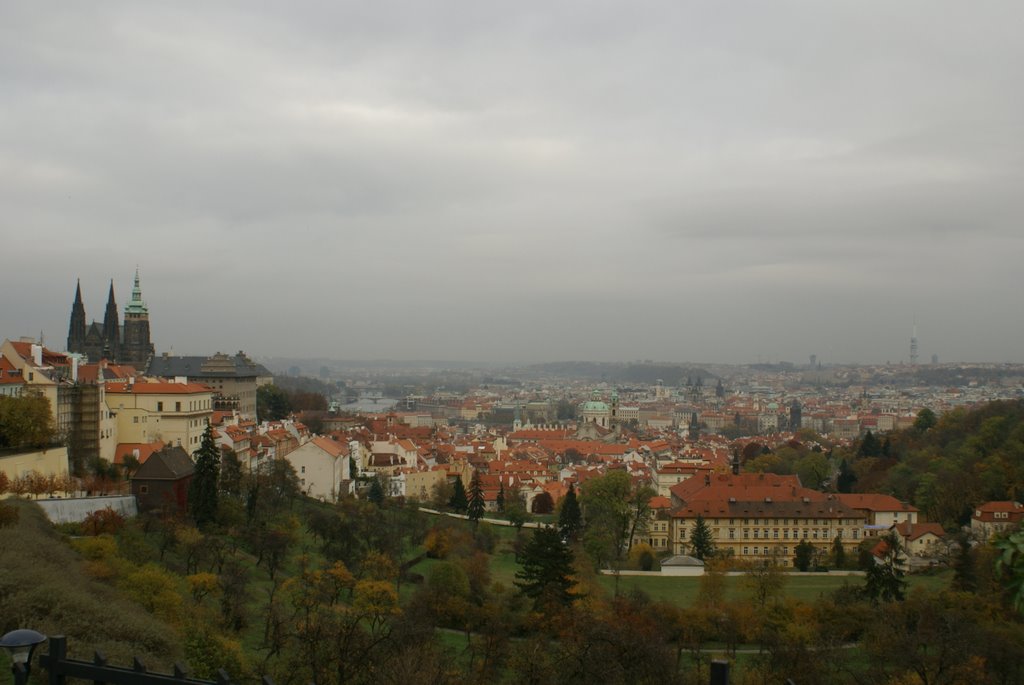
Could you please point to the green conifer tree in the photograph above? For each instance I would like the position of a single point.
(570, 520)
(202, 490)
(804, 554)
(546, 576)
(500, 499)
(475, 504)
(838, 552)
(376, 493)
(458, 502)
(702, 543)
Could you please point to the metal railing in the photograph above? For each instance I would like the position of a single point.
(59, 668)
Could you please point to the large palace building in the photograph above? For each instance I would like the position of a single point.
(125, 344)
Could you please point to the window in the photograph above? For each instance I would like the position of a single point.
(775, 533)
(177, 406)
(159, 406)
(756, 531)
(303, 470)
(746, 550)
(732, 533)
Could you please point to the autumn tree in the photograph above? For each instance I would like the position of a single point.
(26, 421)
(613, 511)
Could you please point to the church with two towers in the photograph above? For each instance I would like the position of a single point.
(127, 343)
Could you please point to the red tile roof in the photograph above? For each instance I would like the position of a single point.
(873, 502)
(145, 449)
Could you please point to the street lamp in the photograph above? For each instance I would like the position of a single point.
(21, 643)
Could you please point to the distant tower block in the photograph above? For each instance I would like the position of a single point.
(814, 360)
(935, 359)
(913, 347)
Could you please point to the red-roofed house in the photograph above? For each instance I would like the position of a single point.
(322, 467)
(995, 517)
(882, 511)
(921, 539)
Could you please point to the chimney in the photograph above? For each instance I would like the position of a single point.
(37, 355)
(74, 369)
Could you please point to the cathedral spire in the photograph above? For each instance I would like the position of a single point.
(136, 306)
(76, 328)
(111, 327)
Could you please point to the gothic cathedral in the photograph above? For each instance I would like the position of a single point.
(124, 344)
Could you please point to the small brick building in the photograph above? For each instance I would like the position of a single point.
(161, 482)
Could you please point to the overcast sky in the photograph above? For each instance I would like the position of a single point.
(520, 181)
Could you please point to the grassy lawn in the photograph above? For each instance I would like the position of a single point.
(807, 588)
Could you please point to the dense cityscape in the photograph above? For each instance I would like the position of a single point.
(561, 343)
(691, 473)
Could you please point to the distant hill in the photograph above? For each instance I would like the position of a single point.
(611, 372)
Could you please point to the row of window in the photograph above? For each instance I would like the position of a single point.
(193, 405)
(762, 533)
(785, 522)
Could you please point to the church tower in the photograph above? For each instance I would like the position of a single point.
(111, 328)
(136, 347)
(76, 329)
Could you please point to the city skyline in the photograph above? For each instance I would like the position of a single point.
(699, 183)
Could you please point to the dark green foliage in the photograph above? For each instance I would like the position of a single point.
(838, 553)
(230, 480)
(804, 554)
(376, 493)
(458, 503)
(965, 578)
(499, 501)
(925, 419)
(272, 403)
(1010, 565)
(475, 505)
(883, 580)
(847, 479)
(202, 491)
(869, 446)
(546, 576)
(702, 543)
(570, 521)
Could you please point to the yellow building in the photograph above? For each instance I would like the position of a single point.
(52, 461)
(761, 515)
(176, 413)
